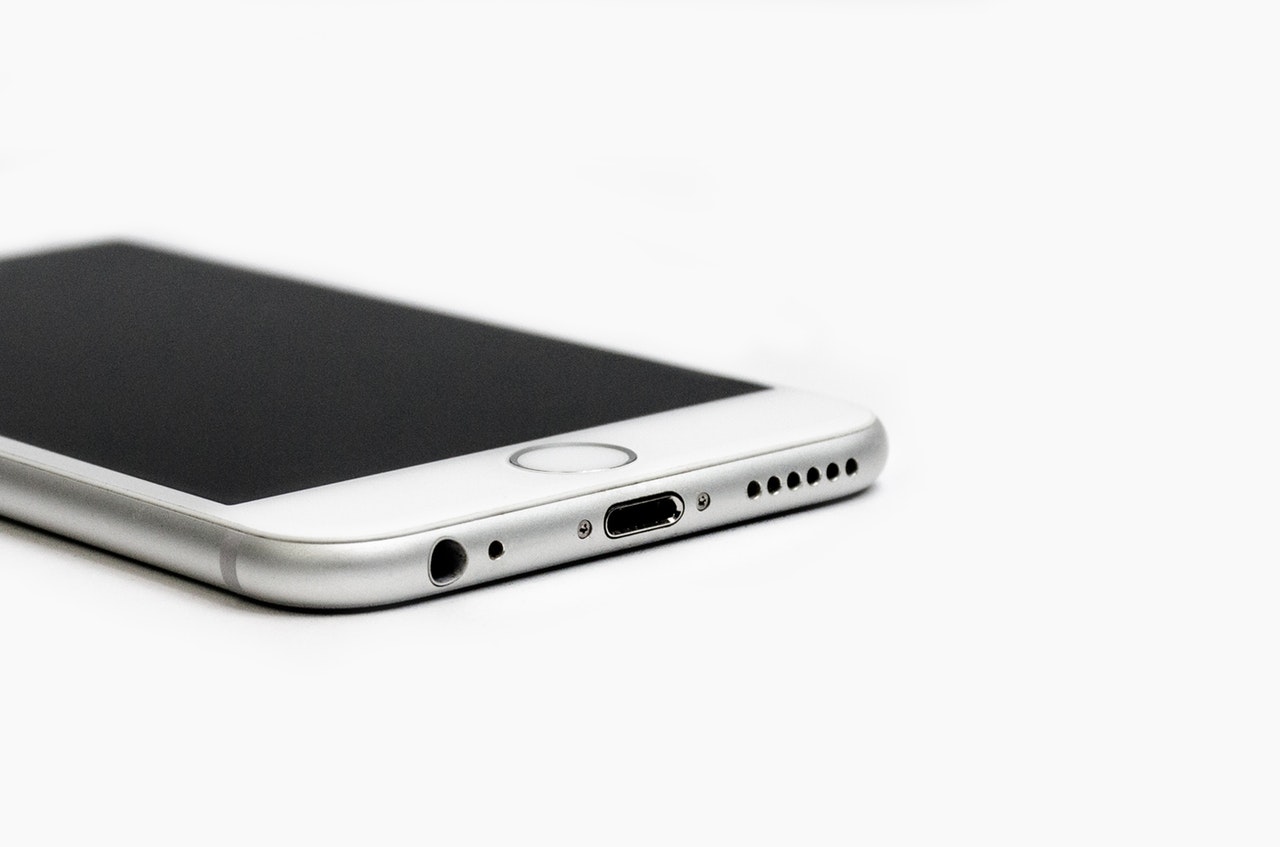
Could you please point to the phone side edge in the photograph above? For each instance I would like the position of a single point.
(344, 575)
(553, 534)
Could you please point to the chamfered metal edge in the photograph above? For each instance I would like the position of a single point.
(358, 574)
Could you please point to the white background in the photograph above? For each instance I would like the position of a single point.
(1039, 239)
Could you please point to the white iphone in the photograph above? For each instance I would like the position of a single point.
(312, 447)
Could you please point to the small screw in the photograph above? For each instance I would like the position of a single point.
(584, 529)
(704, 500)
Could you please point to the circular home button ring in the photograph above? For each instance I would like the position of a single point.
(572, 458)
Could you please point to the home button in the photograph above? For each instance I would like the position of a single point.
(572, 458)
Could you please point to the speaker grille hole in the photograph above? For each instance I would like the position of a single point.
(794, 479)
(448, 561)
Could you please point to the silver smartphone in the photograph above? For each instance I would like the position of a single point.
(312, 447)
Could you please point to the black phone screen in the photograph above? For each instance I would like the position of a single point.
(235, 385)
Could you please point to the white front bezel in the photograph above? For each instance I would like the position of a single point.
(423, 497)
